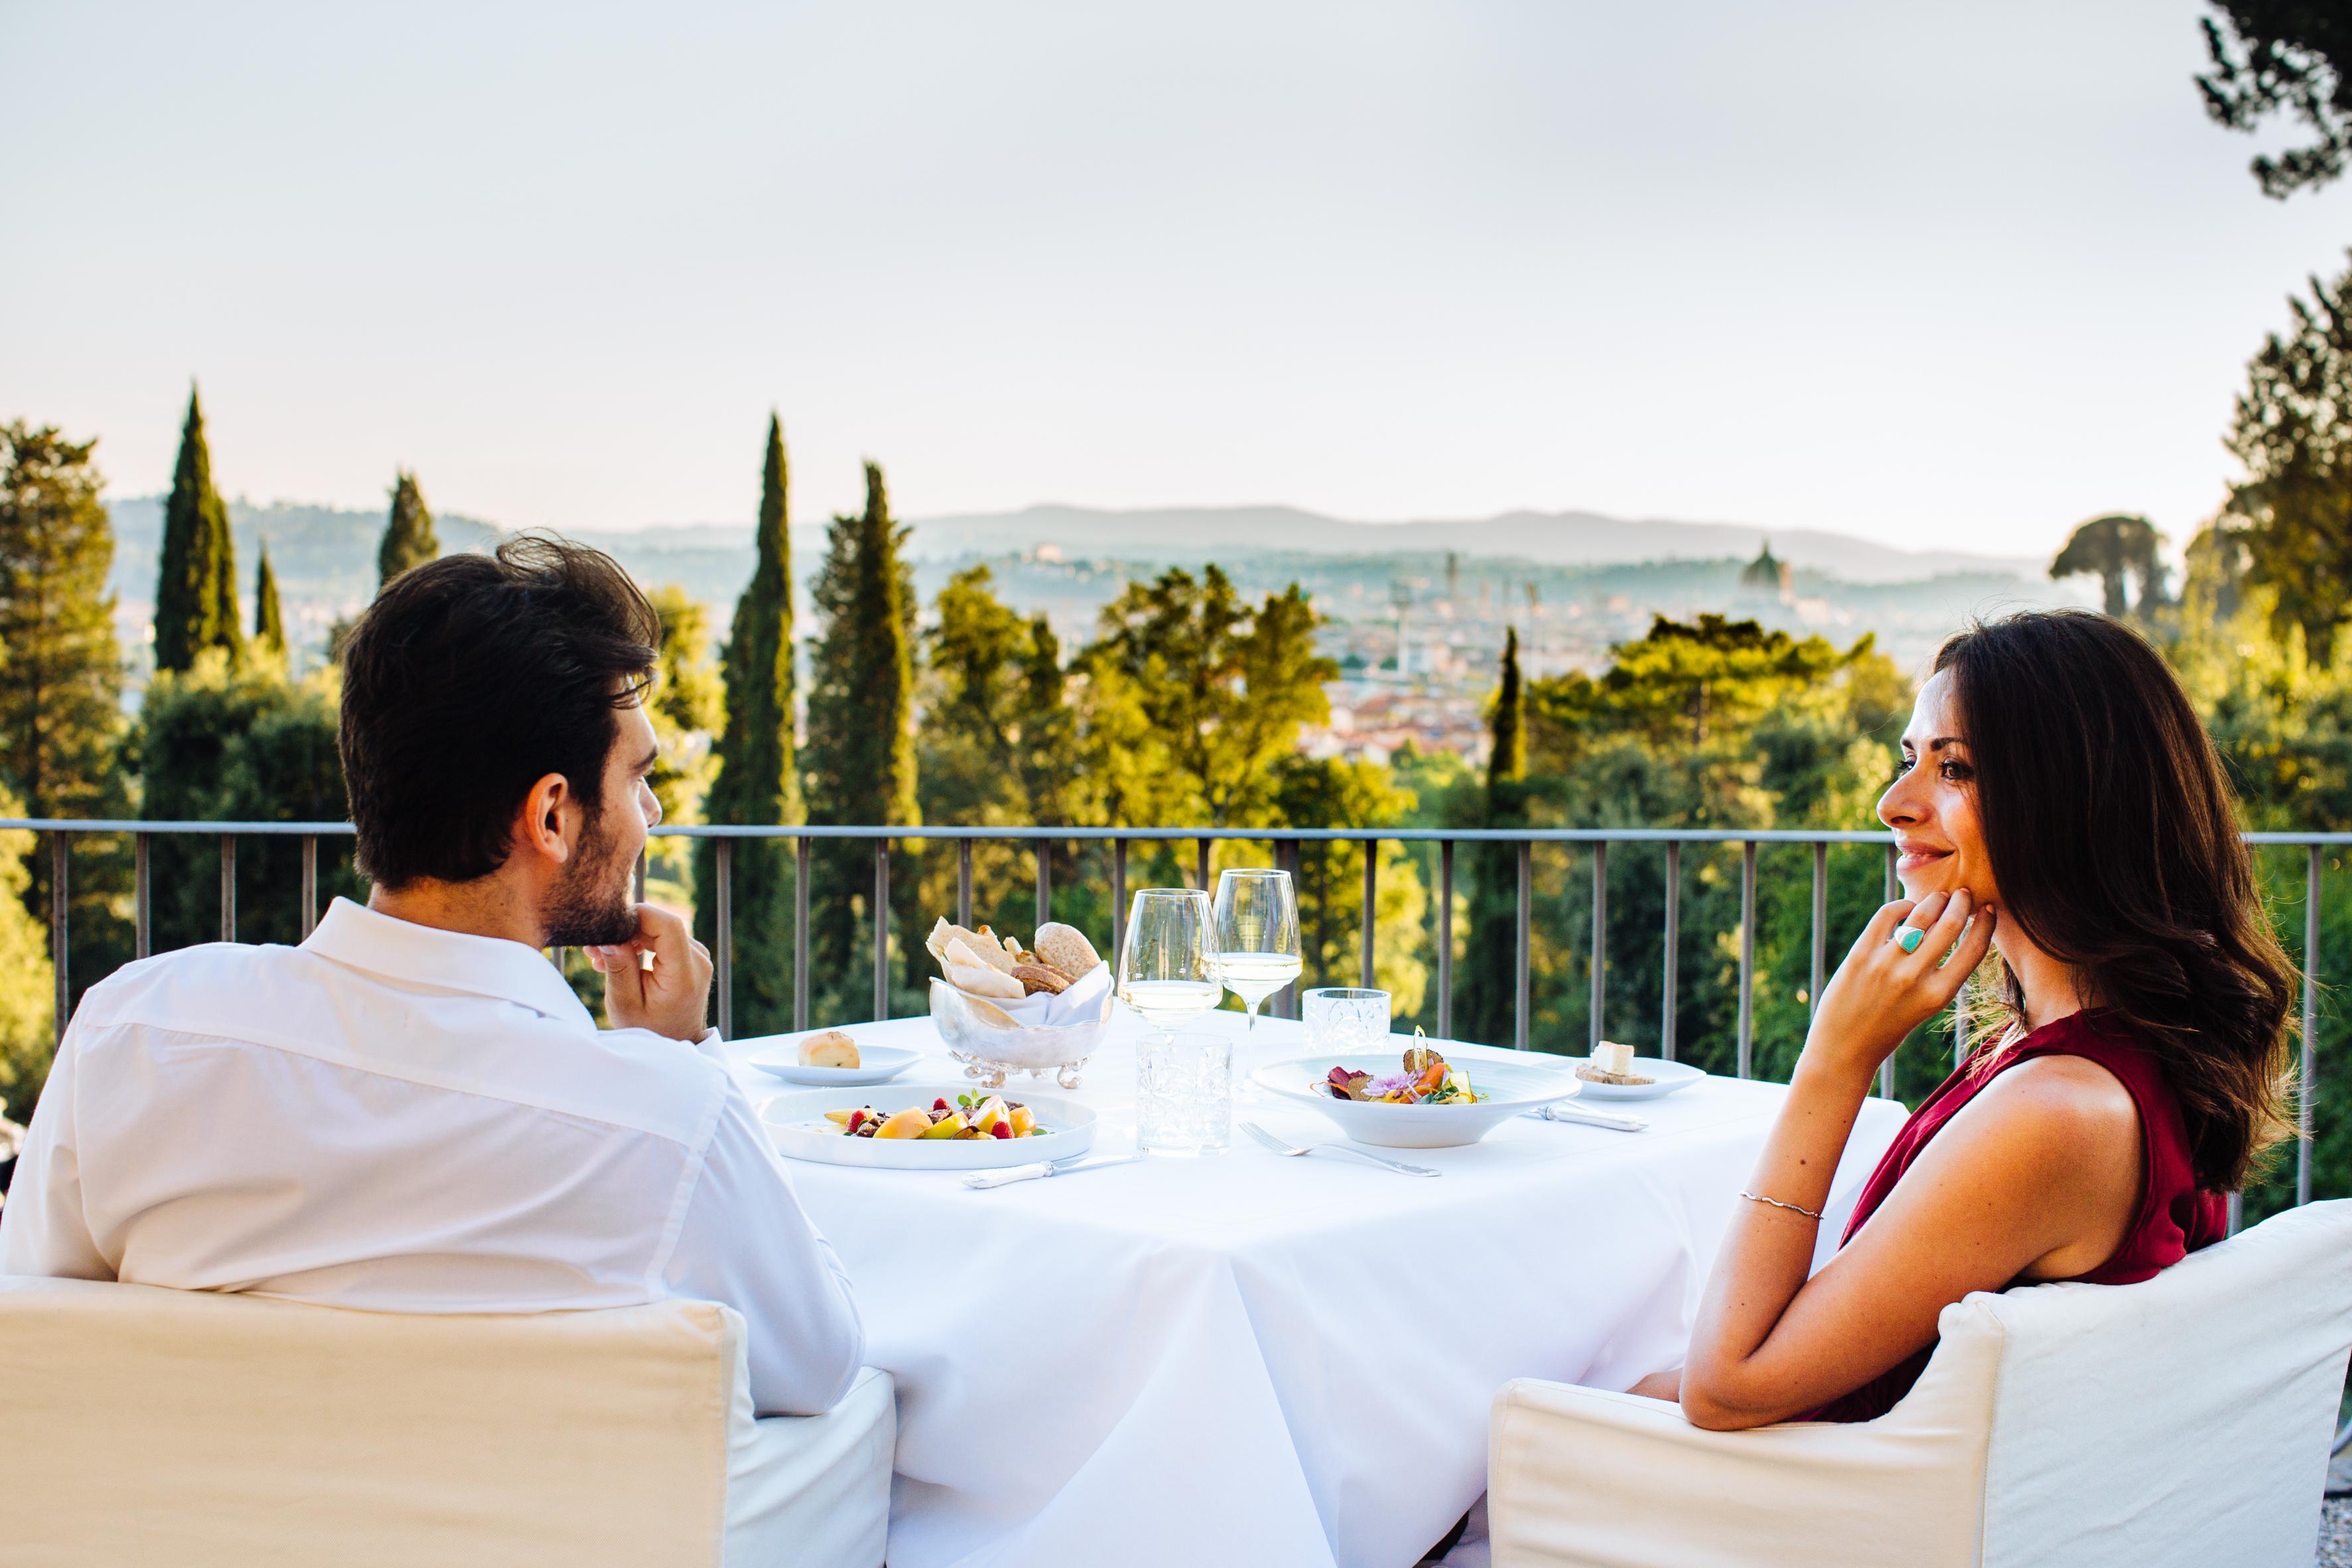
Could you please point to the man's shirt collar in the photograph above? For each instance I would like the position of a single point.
(382, 945)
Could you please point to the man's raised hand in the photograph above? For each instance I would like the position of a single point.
(671, 996)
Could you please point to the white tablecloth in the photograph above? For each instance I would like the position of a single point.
(1246, 1359)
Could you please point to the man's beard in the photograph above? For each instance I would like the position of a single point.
(589, 905)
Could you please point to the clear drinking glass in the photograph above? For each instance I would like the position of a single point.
(1257, 934)
(1183, 1093)
(1346, 1020)
(1168, 959)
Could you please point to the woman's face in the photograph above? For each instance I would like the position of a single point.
(1932, 805)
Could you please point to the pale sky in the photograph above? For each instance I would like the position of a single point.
(1953, 275)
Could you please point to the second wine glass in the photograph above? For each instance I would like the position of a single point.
(1257, 934)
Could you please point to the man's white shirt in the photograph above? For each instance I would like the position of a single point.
(400, 1118)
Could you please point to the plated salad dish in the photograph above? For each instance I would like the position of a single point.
(1425, 1079)
(972, 1116)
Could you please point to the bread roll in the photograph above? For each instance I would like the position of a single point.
(980, 946)
(828, 1048)
(1036, 977)
(1066, 948)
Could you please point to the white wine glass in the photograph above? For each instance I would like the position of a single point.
(1257, 937)
(1168, 958)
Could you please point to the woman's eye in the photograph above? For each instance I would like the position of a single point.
(1956, 771)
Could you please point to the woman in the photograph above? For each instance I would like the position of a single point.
(2059, 807)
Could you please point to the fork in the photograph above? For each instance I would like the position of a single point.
(1279, 1147)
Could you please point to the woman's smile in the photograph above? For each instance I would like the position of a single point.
(1913, 856)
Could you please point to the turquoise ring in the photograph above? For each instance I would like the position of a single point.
(1909, 938)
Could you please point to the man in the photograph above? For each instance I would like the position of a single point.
(410, 1112)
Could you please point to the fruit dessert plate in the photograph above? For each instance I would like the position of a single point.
(826, 1126)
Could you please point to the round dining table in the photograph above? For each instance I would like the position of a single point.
(1243, 1358)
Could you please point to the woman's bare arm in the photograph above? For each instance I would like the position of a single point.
(2002, 1187)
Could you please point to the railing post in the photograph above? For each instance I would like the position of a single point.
(1445, 939)
(2310, 1029)
(1599, 938)
(228, 887)
(1044, 881)
(637, 882)
(1821, 926)
(1118, 902)
(59, 957)
(1204, 866)
(1747, 1040)
(963, 883)
(1673, 948)
(800, 932)
(1522, 1005)
(310, 883)
(1285, 1002)
(722, 961)
(143, 925)
(881, 931)
(1886, 1067)
(1372, 908)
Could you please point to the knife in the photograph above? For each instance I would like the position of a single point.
(1580, 1115)
(983, 1179)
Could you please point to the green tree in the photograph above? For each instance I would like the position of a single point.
(61, 723)
(2117, 549)
(859, 766)
(757, 782)
(687, 707)
(2292, 435)
(195, 590)
(997, 742)
(408, 533)
(2290, 56)
(28, 1004)
(238, 741)
(268, 616)
(1330, 791)
(1221, 691)
(1488, 1013)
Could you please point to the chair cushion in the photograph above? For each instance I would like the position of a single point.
(145, 1425)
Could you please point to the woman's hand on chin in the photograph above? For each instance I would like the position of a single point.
(1881, 992)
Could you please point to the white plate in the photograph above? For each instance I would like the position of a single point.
(1671, 1076)
(779, 1055)
(1510, 1084)
(796, 1125)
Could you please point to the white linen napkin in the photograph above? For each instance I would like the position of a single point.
(1081, 1003)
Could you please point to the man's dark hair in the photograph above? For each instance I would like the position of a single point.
(468, 681)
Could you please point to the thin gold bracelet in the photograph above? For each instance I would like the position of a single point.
(1792, 1209)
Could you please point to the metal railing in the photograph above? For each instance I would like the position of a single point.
(1286, 842)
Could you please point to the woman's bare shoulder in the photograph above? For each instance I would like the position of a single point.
(2061, 1096)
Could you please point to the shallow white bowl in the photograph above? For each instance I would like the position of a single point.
(1670, 1076)
(779, 1055)
(797, 1126)
(1512, 1086)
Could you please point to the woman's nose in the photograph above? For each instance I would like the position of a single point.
(1898, 806)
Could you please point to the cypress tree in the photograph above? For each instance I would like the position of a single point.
(408, 537)
(859, 768)
(757, 784)
(268, 618)
(1491, 998)
(195, 590)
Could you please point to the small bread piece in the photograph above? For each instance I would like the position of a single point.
(981, 946)
(829, 1048)
(1066, 949)
(1608, 1056)
(1039, 977)
(980, 980)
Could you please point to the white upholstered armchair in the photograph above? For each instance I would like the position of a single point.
(141, 1425)
(2185, 1420)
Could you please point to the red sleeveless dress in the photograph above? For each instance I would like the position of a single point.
(2174, 1218)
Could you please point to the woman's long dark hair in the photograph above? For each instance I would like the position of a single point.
(2114, 844)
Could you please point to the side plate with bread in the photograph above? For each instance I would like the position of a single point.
(827, 1059)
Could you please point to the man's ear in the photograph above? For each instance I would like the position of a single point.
(543, 826)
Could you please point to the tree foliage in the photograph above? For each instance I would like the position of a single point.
(195, 587)
(268, 614)
(2121, 549)
(2291, 56)
(2292, 435)
(408, 538)
(757, 779)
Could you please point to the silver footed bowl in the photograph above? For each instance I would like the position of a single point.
(992, 1045)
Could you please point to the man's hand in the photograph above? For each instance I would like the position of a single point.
(673, 995)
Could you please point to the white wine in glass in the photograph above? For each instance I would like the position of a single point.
(1257, 934)
(1168, 958)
